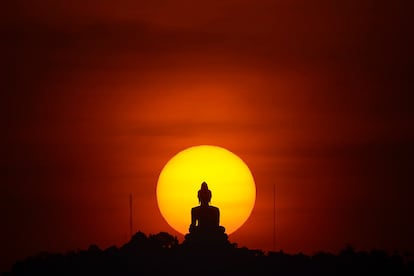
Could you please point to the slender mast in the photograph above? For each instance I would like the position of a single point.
(130, 215)
(274, 217)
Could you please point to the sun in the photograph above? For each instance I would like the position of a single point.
(227, 175)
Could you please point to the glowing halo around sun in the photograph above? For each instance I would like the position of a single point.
(228, 177)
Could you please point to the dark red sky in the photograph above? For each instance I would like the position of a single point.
(316, 96)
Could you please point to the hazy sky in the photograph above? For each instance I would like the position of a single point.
(315, 96)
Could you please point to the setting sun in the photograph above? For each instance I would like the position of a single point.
(228, 177)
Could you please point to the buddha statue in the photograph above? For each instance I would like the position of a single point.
(205, 219)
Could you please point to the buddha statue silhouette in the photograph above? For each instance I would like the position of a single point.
(205, 220)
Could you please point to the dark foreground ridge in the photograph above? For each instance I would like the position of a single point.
(162, 254)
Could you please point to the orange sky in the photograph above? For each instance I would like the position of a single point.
(315, 96)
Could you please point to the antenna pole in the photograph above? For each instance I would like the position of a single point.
(274, 217)
(130, 215)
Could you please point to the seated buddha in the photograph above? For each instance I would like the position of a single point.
(205, 218)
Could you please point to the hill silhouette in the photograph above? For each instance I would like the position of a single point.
(162, 254)
(206, 250)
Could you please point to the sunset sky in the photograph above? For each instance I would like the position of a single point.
(317, 97)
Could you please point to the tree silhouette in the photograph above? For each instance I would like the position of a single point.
(162, 254)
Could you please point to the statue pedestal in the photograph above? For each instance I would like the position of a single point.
(206, 238)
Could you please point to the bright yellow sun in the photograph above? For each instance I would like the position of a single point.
(228, 177)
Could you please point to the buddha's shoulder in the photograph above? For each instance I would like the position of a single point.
(213, 208)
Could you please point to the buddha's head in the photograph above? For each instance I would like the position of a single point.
(204, 194)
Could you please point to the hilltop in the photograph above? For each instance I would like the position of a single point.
(161, 253)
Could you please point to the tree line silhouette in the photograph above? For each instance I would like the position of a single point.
(162, 254)
(206, 250)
